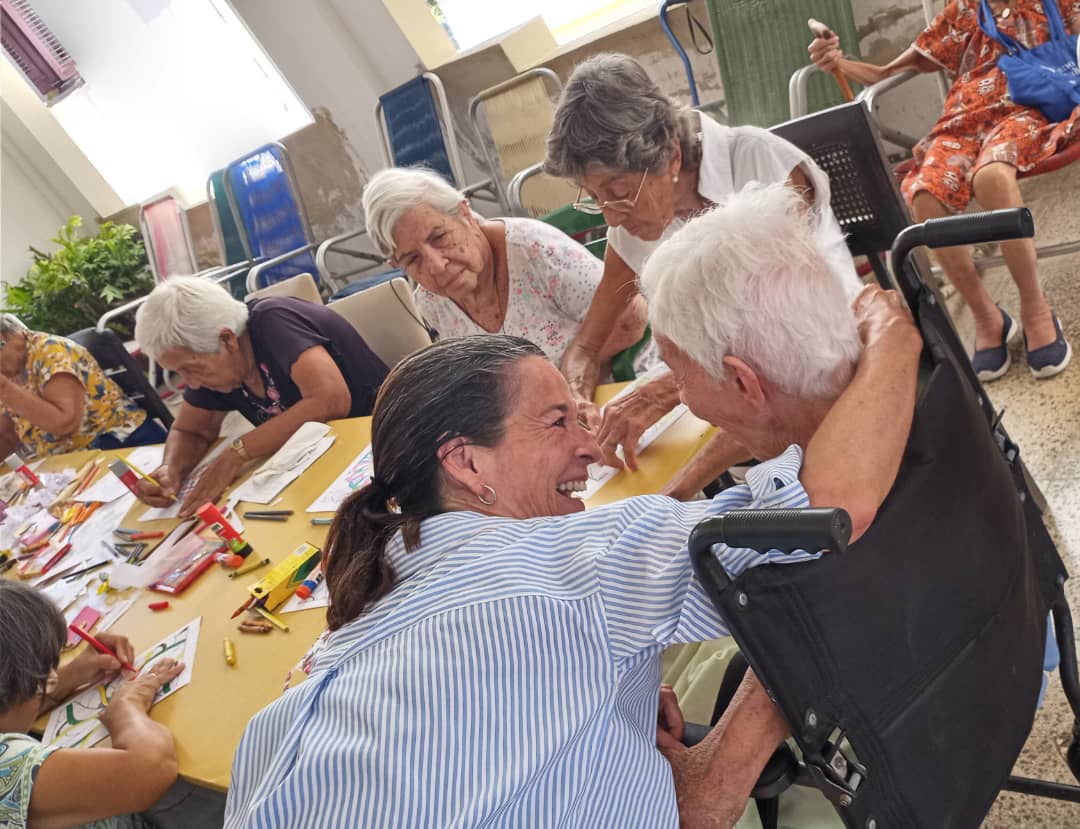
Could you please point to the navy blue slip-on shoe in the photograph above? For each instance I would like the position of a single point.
(992, 363)
(1050, 359)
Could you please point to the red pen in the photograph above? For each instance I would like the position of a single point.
(100, 648)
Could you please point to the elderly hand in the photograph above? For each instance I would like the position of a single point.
(160, 495)
(213, 481)
(626, 419)
(91, 667)
(669, 721)
(701, 805)
(825, 52)
(884, 319)
(589, 414)
(139, 693)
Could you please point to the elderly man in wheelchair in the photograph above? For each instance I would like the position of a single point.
(927, 640)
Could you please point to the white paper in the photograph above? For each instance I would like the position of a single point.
(600, 474)
(75, 724)
(356, 475)
(320, 597)
(299, 452)
(173, 510)
(108, 487)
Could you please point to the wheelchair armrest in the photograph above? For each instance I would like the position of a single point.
(781, 772)
(513, 190)
(869, 98)
(254, 273)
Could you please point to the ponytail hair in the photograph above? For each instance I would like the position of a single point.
(460, 387)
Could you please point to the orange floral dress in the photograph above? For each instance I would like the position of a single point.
(980, 123)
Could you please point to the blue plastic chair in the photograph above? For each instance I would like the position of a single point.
(416, 129)
(265, 200)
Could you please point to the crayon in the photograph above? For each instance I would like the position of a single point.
(249, 567)
(271, 618)
(230, 652)
(100, 648)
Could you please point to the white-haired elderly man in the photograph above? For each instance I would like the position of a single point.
(279, 361)
(762, 341)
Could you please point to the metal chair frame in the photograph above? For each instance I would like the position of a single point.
(484, 133)
(449, 136)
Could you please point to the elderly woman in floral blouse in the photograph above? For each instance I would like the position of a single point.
(491, 276)
(55, 398)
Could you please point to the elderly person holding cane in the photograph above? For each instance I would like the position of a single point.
(974, 151)
(467, 572)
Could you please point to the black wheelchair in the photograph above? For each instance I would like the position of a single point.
(908, 664)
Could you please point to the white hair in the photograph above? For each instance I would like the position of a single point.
(391, 193)
(11, 324)
(748, 279)
(187, 312)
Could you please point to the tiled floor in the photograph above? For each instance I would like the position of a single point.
(1042, 417)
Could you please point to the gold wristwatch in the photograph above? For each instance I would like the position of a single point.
(238, 447)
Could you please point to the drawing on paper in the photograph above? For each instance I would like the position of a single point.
(75, 724)
(356, 475)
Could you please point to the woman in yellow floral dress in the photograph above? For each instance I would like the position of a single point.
(54, 398)
(974, 151)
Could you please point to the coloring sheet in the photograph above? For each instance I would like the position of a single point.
(75, 724)
(356, 475)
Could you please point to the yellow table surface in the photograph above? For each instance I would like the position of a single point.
(208, 717)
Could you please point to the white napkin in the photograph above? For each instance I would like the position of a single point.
(286, 465)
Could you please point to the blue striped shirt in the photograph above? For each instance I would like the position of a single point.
(509, 679)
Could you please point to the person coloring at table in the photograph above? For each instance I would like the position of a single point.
(46, 786)
(279, 361)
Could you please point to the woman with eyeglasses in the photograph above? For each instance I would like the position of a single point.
(492, 276)
(648, 165)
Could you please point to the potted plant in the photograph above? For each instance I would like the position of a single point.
(86, 276)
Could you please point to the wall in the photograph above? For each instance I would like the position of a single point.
(36, 197)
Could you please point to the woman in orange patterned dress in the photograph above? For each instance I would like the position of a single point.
(975, 151)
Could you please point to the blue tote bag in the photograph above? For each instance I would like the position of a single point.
(1046, 77)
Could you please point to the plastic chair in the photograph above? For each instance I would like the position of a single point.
(387, 318)
(265, 200)
(232, 244)
(415, 127)
(301, 286)
(512, 120)
(109, 351)
(164, 227)
(759, 44)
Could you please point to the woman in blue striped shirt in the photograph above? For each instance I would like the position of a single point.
(495, 654)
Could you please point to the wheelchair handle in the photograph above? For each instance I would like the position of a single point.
(967, 229)
(774, 529)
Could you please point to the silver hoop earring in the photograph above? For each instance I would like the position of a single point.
(494, 497)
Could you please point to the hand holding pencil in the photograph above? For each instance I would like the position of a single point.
(156, 489)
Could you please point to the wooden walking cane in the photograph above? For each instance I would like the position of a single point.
(822, 31)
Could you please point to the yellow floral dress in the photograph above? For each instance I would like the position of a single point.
(107, 409)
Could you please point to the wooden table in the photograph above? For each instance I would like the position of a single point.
(208, 717)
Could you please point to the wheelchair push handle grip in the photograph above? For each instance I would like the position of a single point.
(972, 228)
(787, 530)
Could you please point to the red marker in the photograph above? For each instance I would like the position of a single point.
(158, 605)
(212, 517)
(125, 473)
(100, 648)
(19, 467)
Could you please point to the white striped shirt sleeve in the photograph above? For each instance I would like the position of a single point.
(651, 595)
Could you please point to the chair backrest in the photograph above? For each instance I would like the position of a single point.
(512, 120)
(301, 286)
(113, 357)
(863, 193)
(262, 190)
(760, 43)
(415, 127)
(387, 318)
(234, 247)
(164, 226)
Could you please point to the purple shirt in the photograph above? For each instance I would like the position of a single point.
(281, 329)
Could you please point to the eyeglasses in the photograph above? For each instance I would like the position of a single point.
(620, 205)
